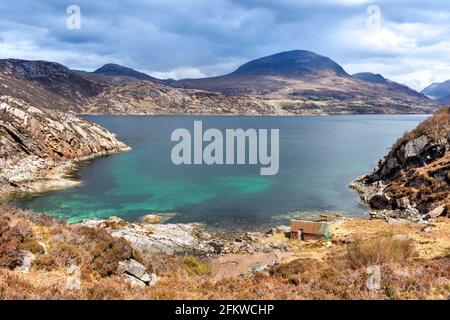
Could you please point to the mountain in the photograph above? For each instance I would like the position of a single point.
(295, 82)
(304, 82)
(67, 84)
(438, 90)
(445, 100)
(392, 85)
(294, 64)
(50, 85)
(112, 69)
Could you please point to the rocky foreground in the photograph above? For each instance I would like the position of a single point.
(38, 146)
(45, 258)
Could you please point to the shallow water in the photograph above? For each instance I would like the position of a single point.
(319, 156)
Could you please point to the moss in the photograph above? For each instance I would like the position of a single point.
(193, 266)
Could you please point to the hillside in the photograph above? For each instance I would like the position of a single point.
(53, 77)
(152, 98)
(38, 145)
(114, 90)
(304, 82)
(413, 180)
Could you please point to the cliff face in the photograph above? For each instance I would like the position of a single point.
(413, 180)
(35, 142)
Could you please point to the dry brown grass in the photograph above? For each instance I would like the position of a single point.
(436, 127)
(338, 272)
(387, 249)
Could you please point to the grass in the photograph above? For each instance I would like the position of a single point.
(194, 267)
(340, 273)
(387, 249)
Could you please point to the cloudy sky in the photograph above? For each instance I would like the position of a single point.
(405, 40)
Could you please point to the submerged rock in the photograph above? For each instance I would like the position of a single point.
(152, 218)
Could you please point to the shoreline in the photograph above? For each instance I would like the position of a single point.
(248, 115)
(44, 175)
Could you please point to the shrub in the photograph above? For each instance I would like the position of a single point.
(66, 254)
(30, 244)
(44, 262)
(193, 266)
(106, 251)
(12, 236)
(293, 268)
(363, 253)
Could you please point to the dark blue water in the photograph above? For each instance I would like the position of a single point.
(319, 156)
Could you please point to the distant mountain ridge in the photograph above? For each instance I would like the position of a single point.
(112, 69)
(439, 91)
(50, 85)
(304, 82)
(291, 82)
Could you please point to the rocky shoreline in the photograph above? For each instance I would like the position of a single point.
(413, 180)
(185, 238)
(39, 148)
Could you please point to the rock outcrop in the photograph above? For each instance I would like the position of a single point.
(413, 180)
(181, 239)
(37, 145)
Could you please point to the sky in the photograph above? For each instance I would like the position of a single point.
(407, 41)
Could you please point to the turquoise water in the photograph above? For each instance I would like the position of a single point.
(319, 156)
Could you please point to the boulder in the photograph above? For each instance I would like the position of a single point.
(258, 268)
(380, 202)
(435, 213)
(115, 223)
(136, 273)
(152, 219)
(415, 147)
(27, 260)
(403, 203)
(178, 239)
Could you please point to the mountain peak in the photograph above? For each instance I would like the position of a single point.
(112, 69)
(292, 64)
(438, 90)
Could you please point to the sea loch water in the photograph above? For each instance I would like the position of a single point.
(318, 157)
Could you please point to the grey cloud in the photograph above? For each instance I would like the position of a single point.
(215, 36)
